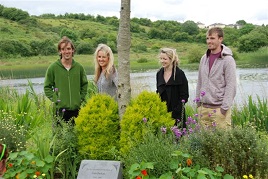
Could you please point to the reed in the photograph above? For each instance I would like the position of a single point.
(254, 112)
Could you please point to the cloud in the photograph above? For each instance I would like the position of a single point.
(205, 11)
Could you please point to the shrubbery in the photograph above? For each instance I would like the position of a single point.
(97, 128)
(147, 106)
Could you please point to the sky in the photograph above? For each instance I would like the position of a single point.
(204, 11)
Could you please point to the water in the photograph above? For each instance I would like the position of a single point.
(250, 82)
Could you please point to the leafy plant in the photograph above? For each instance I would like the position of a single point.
(146, 105)
(97, 128)
(25, 164)
(239, 150)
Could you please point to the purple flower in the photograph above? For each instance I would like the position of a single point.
(163, 130)
(56, 89)
(196, 100)
(63, 110)
(58, 100)
(209, 114)
(214, 110)
(183, 101)
(202, 93)
(196, 115)
(144, 119)
(214, 124)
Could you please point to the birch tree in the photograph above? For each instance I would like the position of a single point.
(123, 47)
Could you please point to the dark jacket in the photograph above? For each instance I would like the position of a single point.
(173, 92)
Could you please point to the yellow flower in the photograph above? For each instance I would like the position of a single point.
(251, 176)
(245, 176)
(35, 176)
(43, 174)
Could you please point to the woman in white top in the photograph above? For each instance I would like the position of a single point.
(106, 76)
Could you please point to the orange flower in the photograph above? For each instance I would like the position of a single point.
(138, 177)
(38, 173)
(189, 162)
(144, 172)
(18, 176)
(10, 165)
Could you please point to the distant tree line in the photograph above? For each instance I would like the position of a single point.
(246, 39)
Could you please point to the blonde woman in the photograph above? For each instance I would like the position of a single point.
(172, 85)
(106, 77)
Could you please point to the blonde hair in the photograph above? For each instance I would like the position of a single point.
(110, 67)
(173, 56)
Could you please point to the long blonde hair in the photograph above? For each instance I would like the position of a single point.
(110, 67)
(173, 56)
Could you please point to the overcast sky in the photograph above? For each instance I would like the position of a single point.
(204, 11)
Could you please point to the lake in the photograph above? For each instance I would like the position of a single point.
(250, 82)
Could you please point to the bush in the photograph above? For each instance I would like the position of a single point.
(97, 128)
(147, 106)
(154, 148)
(239, 151)
(142, 60)
(12, 135)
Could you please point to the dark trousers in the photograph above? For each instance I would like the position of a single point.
(68, 115)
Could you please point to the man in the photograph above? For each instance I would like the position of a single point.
(66, 82)
(216, 85)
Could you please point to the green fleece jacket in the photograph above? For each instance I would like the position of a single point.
(67, 88)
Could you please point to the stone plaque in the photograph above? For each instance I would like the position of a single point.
(100, 169)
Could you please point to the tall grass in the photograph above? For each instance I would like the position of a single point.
(254, 112)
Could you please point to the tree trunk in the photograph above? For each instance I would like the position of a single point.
(123, 47)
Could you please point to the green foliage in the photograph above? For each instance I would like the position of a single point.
(196, 53)
(85, 48)
(152, 148)
(12, 135)
(64, 147)
(239, 150)
(254, 112)
(142, 60)
(190, 27)
(146, 105)
(26, 165)
(14, 14)
(97, 128)
(252, 42)
(70, 33)
(13, 48)
(140, 48)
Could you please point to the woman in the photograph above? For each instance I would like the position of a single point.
(172, 85)
(3, 159)
(106, 76)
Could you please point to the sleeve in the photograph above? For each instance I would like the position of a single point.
(84, 83)
(231, 83)
(184, 93)
(49, 83)
(115, 78)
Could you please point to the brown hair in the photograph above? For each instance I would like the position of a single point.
(65, 40)
(216, 30)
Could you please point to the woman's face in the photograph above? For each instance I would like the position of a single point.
(165, 60)
(103, 59)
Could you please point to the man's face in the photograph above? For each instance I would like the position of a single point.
(214, 41)
(66, 51)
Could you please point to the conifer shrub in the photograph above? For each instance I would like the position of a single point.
(146, 107)
(97, 128)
